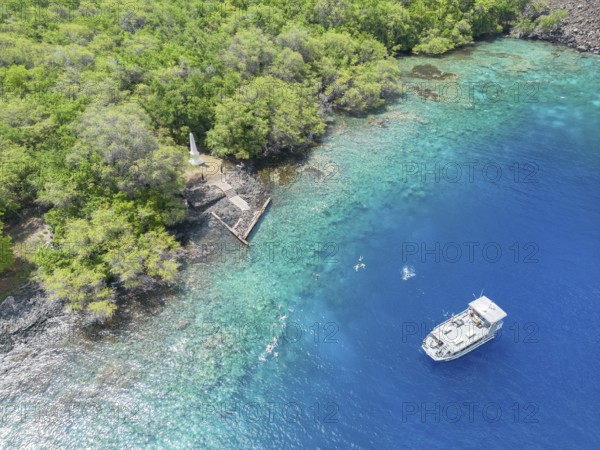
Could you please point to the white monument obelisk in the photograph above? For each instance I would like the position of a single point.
(195, 159)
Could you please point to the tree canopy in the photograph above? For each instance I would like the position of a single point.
(97, 103)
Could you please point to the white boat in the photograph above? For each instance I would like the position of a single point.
(464, 332)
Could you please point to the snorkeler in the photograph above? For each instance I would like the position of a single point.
(360, 265)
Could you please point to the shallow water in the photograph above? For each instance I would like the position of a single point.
(490, 183)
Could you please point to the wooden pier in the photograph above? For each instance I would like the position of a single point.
(257, 217)
(231, 230)
(243, 237)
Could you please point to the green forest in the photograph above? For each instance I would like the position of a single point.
(97, 100)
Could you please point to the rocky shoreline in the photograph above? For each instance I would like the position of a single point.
(579, 30)
(27, 316)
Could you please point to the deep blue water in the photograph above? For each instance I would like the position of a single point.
(532, 387)
(350, 372)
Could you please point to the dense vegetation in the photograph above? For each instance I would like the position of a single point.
(538, 18)
(98, 98)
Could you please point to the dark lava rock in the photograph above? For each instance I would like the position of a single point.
(580, 30)
(27, 315)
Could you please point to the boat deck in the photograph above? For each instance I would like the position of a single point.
(461, 331)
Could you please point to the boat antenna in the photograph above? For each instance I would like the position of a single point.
(481, 293)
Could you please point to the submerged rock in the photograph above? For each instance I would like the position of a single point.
(427, 93)
(430, 72)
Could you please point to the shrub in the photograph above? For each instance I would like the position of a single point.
(552, 22)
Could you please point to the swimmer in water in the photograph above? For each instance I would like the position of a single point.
(360, 264)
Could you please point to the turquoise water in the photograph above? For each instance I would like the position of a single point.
(502, 157)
